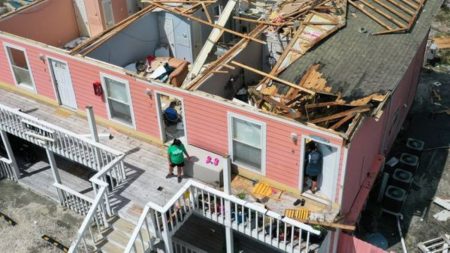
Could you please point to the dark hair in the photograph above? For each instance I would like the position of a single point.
(176, 142)
(173, 103)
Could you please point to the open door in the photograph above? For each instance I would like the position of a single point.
(327, 179)
(171, 118)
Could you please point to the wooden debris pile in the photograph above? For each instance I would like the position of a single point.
(393, 15)
(320, 107)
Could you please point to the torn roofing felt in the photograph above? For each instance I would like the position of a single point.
(357, 64)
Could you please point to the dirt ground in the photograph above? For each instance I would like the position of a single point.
(35, 216)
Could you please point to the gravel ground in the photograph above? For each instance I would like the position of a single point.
(35, 216)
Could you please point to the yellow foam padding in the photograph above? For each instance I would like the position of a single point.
(298, 214)
(262, 189)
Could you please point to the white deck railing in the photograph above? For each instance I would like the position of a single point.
(57, 139)
(6, 170)
(248, 218)
(107, 161)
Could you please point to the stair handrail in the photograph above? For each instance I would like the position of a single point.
(97, 201)
(193, 183)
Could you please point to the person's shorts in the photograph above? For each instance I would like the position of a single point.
(177, 165)
(313, 178)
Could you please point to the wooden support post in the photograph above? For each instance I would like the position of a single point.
(55, 172)
(10, 153)
(293, 85)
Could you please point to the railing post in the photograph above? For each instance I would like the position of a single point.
(55, 172)
(92, 123)
(168, 239)
(10, 153)
(227, 190)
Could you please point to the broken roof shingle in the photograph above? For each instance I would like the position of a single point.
(359, 64)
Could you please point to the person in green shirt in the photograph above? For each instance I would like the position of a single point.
(176, 153)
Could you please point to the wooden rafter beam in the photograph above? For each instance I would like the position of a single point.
(207, 13)
(340, 114)
(343, 121)
(206, 23)
(384, 14)
(323, 104)
(389, 8)
(402, 7)
(370, 15)
(412, 5)
(293, 85)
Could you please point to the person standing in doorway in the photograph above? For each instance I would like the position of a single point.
(176, 153)
(314, 166)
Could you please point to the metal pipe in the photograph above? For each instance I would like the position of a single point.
(400, 233)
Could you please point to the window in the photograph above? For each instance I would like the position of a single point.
(19, 66)
(247, 143)
(118, 99)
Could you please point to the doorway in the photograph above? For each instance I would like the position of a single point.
(171, 118)
(327, 179)
(62, 82)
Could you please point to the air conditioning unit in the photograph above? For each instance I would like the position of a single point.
(409, 162)
(402, 178)
(415, 146)
(393, 200)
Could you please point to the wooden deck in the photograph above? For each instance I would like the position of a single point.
(146, 164)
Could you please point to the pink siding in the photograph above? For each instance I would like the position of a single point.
(351, 244)
(376, 137)
(207, 119)
(52, 22)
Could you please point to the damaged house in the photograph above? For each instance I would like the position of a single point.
(258, 81)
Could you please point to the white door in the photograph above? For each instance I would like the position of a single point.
(63, 83)
(108, 15)
(168, 28)
(327, 180)
(82, 18)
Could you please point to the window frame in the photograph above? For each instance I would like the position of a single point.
(8, 56)
(107, 98)
(262, 169)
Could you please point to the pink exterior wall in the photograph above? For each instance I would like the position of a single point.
(376, 137)
(207, 119)
(351, 244)
(52, 22)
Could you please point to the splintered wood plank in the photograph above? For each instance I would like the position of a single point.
(342, 121)
(293, 85)
(324, 104)
(341, 114)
